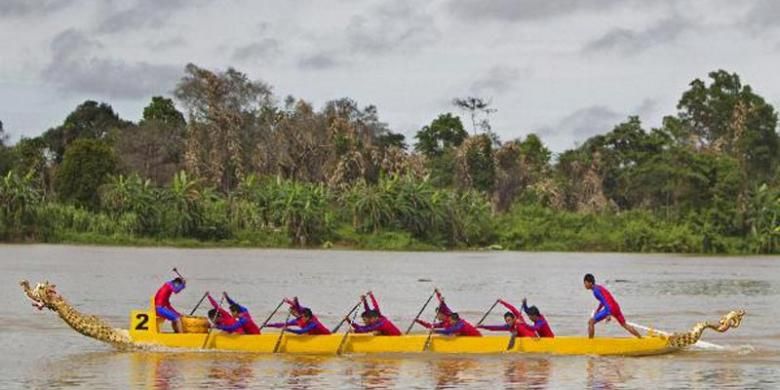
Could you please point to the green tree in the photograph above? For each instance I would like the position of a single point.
(5, 151)
(162, 110)
(476, 163)
(86, 166)
(155, 148)
(90, 119)
(728, 116)
(444, 133)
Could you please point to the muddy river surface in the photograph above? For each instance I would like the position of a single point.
(664, 291)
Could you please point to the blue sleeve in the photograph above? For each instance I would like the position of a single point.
(365, 328)
(305, 329)
(229, 328)
(600, 297)
(452, 329)
(538, 325)
(372, 327)
(232, 302)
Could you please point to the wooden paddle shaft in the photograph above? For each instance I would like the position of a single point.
(272, 314)
(487, 313)
(281, 333)
(422, 309)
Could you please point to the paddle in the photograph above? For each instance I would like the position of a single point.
(281, 333)
(512, 339)
(488, 312)
(176, 271)
(216, 318)
(336, 329)
(346, 334)
(272, 314)
(430, 333)
(199, 302)
(422, 309)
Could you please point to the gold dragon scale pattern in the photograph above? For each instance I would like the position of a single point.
(731, 320)
(44, 295)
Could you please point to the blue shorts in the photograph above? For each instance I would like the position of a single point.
(602, 314)
(169, 314)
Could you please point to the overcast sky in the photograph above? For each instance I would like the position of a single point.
(566, 69)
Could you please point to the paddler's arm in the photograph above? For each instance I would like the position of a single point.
(229, 328)
(306, 329)
(601, 299)
(282, 324)
(365, 303)
(494, 327)
(452, 329)
(374, 302)
(212, 301)
(512, 308)
(425, 324)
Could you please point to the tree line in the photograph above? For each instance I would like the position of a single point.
(243, 166)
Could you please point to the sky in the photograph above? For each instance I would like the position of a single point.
(564, 69)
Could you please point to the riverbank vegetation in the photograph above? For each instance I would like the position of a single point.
(246, 168)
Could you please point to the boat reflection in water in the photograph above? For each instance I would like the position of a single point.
(527, 373)
(373, 373)
(175, 370)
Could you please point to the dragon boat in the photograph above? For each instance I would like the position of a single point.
(144, 333)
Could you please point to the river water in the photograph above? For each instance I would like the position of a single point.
(663, 291)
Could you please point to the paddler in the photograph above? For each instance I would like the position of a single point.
(221, 317)
(459, 327)
(443, 313)
(514, 322)
(608, 308)
(305, 320)
(243, 320)
(162, 302)
(374, 321)
(539, 324)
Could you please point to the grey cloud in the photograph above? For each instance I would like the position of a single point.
(75, 69)
(583, 123)
(524, 10)
(590, 121)
(166, 44)
(497, 80)
(630, 42)
(141, 14)
(390, 26)
(22, 8)
(318, 61)
(763, 15)
(647, 107)
(263, 49)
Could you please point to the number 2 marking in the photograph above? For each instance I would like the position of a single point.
(142, 324)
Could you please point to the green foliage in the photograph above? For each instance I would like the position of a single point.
(247, 171)
(444, 133)
(162, 110)
(87, 165)
(89, 120)
(18, 200)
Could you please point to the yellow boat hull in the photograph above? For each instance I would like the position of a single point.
(144, 329)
